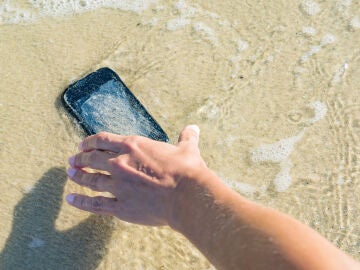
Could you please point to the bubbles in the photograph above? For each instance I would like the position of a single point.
(11, 15)
(186, 12)
(283, 179)
(56, 8)
(320, 111)
(276, 152)
(313, 50)
(310, 7)
(309, 31)
(355, 22)
(280, 151)
(205, 32)
(340, 73)
(242, 45)
(177, 23)
(327, 39)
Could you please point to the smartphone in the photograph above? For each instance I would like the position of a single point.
(102, 102)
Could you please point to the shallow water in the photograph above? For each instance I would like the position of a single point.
(273, 85)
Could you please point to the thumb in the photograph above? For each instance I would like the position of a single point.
(190, 134)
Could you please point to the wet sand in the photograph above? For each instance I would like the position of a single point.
(274, 87)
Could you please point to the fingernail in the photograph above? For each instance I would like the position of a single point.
(70, 198)
(71, 172)
(81, 146)
(72, 161)
(195, 128)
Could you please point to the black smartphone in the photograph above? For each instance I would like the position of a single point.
(102, 102)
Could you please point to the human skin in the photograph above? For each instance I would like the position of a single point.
(155, 183)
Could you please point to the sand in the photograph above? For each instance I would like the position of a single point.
(273, 85)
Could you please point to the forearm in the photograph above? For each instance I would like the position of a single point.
(235, 233)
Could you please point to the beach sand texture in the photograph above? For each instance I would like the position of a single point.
(273, 85)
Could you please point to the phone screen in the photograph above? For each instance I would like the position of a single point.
(102, 102)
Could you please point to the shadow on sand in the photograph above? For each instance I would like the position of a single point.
(34, 243)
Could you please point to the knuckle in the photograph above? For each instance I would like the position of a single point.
(96, 203)
(84, 144)
(81, 202)
(104, 136)
(94, 181)
(77, 160)
(131, 143)
(119, 162)
(82, 177)
(93, 157)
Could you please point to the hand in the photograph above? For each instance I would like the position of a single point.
(142, 174)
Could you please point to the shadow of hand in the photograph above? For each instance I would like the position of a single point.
(34, 243)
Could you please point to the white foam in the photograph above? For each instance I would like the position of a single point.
(327, 39)
(242, 45)
(276, 152)
(11, 15)
(28, 189)
(56, 8)
(346, 3)
(283, 179)
(280, 151)
(206, 32)
(309, 31)
(185, 9)
(186, 12)
(240, 187)
(320, 111)
(355, 22)
(62, 7)
(313, 50)
(340, 73)
(310, 7)
(177, 23)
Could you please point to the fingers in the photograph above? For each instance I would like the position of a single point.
(95, 181)
(190, 134)
(97, 205)
(95, 159)
(102, 141)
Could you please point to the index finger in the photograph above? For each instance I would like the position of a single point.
(104, 141)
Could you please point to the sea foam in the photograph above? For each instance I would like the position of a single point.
(310, 7)
(55, 8)
(280, 151)
(355, 22)
(276, 152)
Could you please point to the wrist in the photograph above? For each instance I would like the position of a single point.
(191, 198)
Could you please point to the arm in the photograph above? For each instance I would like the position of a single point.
(235, 233)
(155, 183)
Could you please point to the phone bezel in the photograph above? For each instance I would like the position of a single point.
(85, 87)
